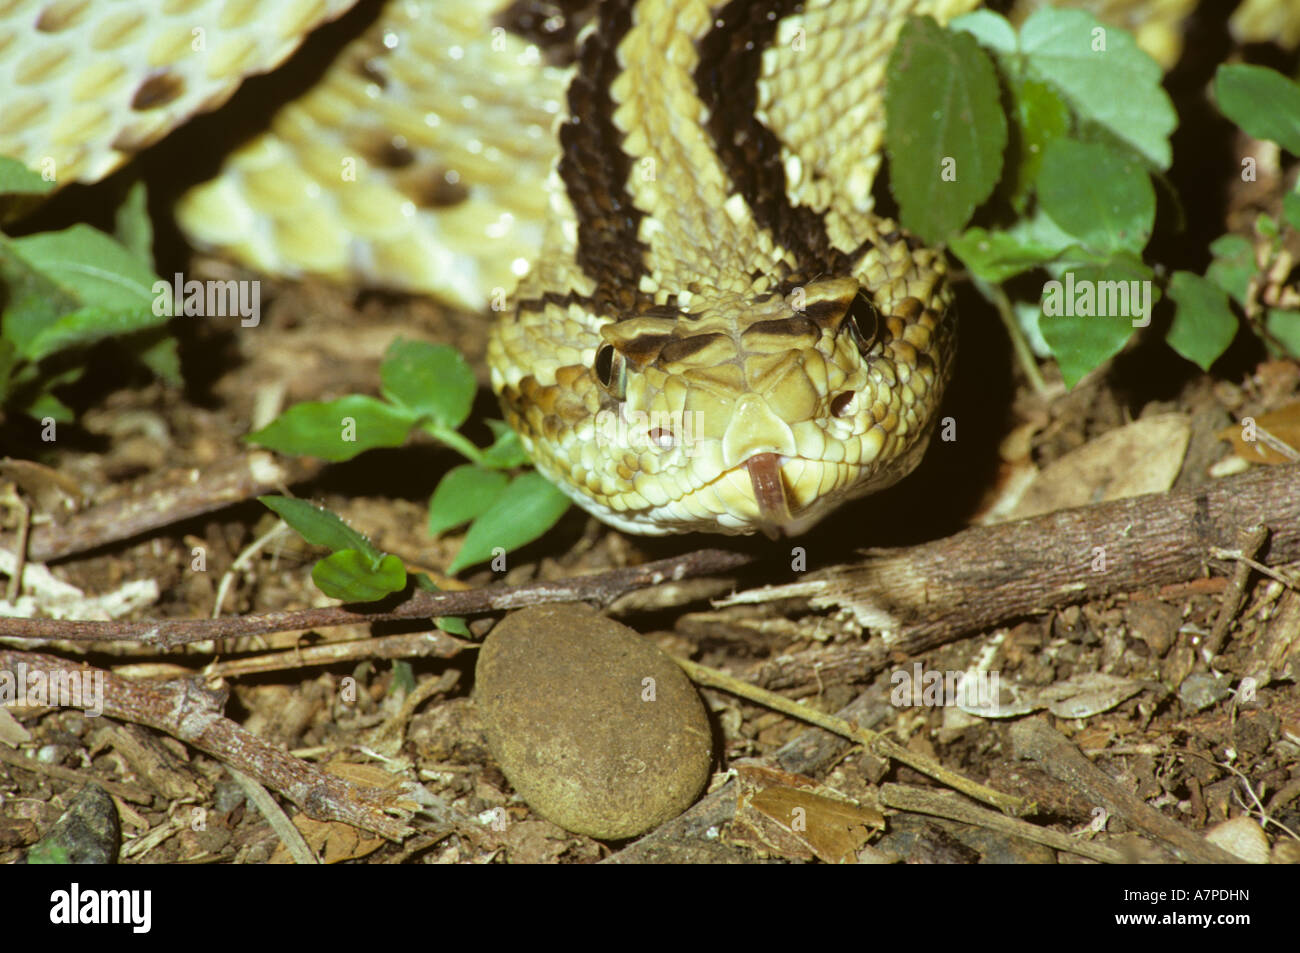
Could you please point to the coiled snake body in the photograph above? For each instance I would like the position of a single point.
(711, 330)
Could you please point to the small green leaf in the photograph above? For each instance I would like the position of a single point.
(86, 326)
(1261, 101)
(403, 679)
(1090, 312)
(993, 30)
(1204, 324)
(1104, 200)
(93, 267)
(431, 380)
(133, 227)
(1291, 209)
(1233, 265)
(1104, 76)
(156, 350)
(453, 625)
(506, 450)
(1041, 117)
(945, 129)
(995, 256)
(336, 430)
(350, 576)
(463, 493)
(526, 509)
(1285, 326)
(320, 527)
(17, 179)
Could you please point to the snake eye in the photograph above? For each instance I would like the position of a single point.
(611, 371)
(862, 322)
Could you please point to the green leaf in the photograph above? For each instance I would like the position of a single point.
(998, 255)
(1041, 117)
(1104, 77)
(526, 509)
(463, 493)
(350, 576)
(336, 430)
(1085, 322)
(133, 227)
(945, 129)
(1233, 265)
(432, 380)
(506, 451)
(92, 267)
(1104, 200)
(320, 527)
(1291, 209)
(45, 405)
(84, 327)
(1204, 324)
(993, 30)
(1285, 326)
(1261, 101)
(17, 179)
(157, 351)
(48, 852)
(453, 624)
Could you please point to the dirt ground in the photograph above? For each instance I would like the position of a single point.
(1157, 688)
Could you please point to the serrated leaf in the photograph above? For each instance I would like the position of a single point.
(1204, 324)
(1081, 339)
(526, 509)
(320, 527)
(432, 380)
(337, 429)
(945, 130)
(463, 493)
(133, 227)
(506, 451)
(1233, 265)
(350, 576)
(1261, 101)
(17, 179)
(1104, 76)
(1102, 199)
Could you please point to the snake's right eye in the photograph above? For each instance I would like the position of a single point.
(611, 371)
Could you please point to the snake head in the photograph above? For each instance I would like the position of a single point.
(733, 413)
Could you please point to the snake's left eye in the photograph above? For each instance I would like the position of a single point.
(862, 322)
(611, 371)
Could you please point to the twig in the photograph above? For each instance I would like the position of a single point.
(600, 588)
(190, 713)
(1036, 740)
(289, 835)
(163, 500)
(127, 792)
(872, 740)
(1252, 538)
(905, 797)
(922, 596)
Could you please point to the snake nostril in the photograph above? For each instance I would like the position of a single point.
(840, 403)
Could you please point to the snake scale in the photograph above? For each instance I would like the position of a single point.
(701, 324)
